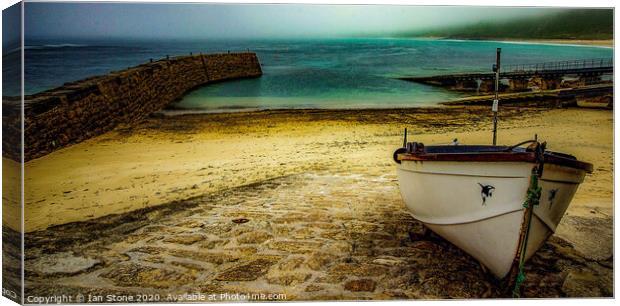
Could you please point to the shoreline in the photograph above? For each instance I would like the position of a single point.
(175, 112)
(607, 43)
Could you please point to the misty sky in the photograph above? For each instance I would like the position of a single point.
(190, 21)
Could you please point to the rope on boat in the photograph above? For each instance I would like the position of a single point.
(519, 144)
(532, 199)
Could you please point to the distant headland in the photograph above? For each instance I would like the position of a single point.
(579, 26)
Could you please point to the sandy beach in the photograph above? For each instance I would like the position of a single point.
(173, 158)
(582, 42)
(151, 199)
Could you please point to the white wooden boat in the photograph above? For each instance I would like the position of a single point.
(474, 196)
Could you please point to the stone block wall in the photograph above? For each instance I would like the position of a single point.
(83, 109)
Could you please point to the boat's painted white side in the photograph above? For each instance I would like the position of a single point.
(449, 197)
(492, 241)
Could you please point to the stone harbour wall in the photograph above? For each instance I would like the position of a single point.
(83, 109)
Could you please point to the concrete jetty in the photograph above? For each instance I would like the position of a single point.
(601, 93)
(79, 110)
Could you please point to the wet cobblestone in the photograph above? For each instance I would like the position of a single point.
(308, 236)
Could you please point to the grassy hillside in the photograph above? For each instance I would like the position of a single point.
(570, 24)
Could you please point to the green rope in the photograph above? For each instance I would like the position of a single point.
(518, 282)
(532, 199)
(533, 192)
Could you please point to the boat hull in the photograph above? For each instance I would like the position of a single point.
(478, 206)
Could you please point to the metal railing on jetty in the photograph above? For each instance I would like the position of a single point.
(561, 65)
(583, 67)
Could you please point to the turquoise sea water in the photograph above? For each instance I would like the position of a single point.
(327, 73)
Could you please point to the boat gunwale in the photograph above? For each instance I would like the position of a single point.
(497, 156)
